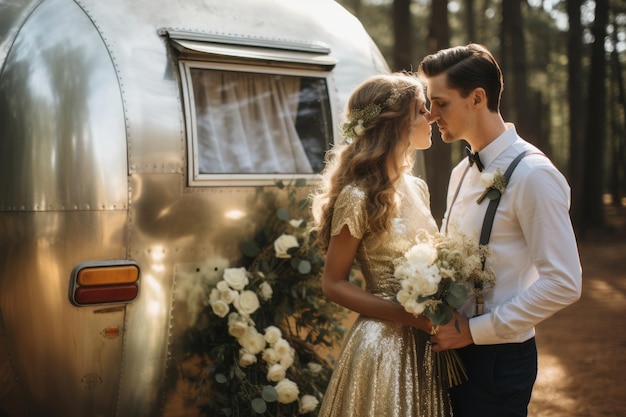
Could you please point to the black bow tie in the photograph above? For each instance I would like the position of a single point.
(473, 157)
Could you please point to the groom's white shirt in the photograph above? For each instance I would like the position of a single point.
(533, 247)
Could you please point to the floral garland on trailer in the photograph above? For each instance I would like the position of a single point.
(265, 321)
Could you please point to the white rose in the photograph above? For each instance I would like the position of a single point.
(276, 373)
(270, 356)
(215, 295)
(228, 296)
(252, 341)
(236, 278)
(237, 326)
(266, 291)
(247, 302)
(220, 308)
(308, 403)
(283, 244)
(246, 358)
(272, 335)
(287, 360)
(287, 391)
(296, 223)
(282, 347)
(314, 367)
(222, 286)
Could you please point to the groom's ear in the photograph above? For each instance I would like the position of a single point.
(479, 97)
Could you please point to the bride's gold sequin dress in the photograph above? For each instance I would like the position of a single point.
(384, 369)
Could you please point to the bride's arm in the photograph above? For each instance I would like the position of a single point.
(337, 287)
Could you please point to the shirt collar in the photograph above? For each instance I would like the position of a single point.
(491, 152)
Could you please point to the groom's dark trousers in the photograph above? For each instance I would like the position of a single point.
(501, 379)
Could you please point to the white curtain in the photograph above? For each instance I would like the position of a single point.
(246, 123)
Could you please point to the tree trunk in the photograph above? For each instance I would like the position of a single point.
(438, 157)
(470, 20)
(576, 108)
(618, 165)
(595, 136)
(402, 47)
(515, 51)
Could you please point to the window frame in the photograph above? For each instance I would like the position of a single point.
(281, 61)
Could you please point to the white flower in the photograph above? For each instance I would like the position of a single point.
(422, 253)
(246, 358)
(228, 296)
(282, 347)
(287, 391)
(359, 128)
(237, 325)
(296, 223)
(247, 302)
(270, 356)
(272, 335)
(220, 308)
(222, 286)
(287, 360)
(308, 403)
(236, 278)
(215, 295)
(252, 341)
(487, 179)
(276, 373)
(412, 306)
(266, 291)
(314, 367)
(283, 244)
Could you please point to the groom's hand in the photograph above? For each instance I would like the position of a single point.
(453, 335)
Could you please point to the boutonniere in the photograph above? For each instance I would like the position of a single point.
(495, 183)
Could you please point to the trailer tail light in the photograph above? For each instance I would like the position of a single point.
(104, 282)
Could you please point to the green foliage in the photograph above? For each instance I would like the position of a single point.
(306, 319)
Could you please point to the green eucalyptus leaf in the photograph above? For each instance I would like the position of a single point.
(304, 267)
(280, 184)
(269, 394)
(493, 194)
(283, 214)
(221, 378)
(300, 182)
(250, 249)
(259, 406)
(457, 294)
(303, 204)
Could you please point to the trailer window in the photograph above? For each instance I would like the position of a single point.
(256, 124)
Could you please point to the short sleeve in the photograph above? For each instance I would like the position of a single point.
(350, 210)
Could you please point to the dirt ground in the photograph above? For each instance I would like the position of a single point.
(582, 349)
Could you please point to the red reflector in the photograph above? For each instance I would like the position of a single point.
(108, 294)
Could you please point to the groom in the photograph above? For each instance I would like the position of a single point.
(533, 247)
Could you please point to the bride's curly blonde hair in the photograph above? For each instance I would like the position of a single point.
(376, 154)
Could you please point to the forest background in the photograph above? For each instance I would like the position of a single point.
(564, 66)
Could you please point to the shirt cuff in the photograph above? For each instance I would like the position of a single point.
(484, 333)
(482, 330)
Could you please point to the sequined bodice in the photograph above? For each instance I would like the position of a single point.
(375, 255)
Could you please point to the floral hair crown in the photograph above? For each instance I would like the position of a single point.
(361, 118)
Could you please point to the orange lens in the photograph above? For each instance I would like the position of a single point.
(108, 275)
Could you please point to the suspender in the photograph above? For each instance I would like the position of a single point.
(493, 204)
(485, 232)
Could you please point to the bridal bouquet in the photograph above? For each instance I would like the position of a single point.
(438, 274)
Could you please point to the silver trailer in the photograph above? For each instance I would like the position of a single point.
(132, 133)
